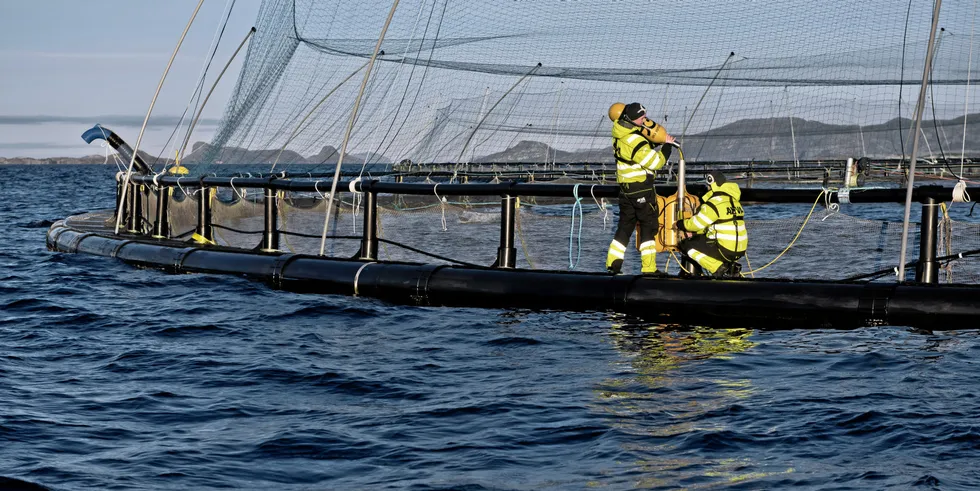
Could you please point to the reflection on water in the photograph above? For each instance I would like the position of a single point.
(672, 380)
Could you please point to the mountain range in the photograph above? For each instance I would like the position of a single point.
(775, 139)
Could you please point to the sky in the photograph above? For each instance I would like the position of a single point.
(66, 65)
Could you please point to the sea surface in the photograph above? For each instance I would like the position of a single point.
(113, 377)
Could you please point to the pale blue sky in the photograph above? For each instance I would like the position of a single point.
(68, 64)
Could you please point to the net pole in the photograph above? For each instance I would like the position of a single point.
(299, 127)
(350, 126)
(129, 171)
(197, 117)
(915, 142)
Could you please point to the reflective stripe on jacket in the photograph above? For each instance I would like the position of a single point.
(721, 217)
(635, 156)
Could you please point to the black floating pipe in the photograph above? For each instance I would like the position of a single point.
(369, 241)
(161, 226)
(927, 269)
(204, 229)
(704, 302)
(270, 233)
(506, 253)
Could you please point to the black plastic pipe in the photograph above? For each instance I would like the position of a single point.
(204, 228)
(270, 232)
(135, 222)
(506, 252)
(704, 302)
(369, 241)
(927, 269)
(161, 226)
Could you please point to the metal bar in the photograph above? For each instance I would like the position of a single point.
(915, 142)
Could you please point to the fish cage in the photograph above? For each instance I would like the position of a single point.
(512, 244)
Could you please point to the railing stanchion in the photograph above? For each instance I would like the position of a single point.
(204, 229)
(369, 240)
(506, 253)
(135, 223)
(926, 270)
(270, 232)
(161, 226)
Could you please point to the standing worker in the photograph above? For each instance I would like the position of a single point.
(720, 238)
(637, 159)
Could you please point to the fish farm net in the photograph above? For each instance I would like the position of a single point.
(805, 242)
(463, 82)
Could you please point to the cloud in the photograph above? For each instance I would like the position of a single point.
(106, 120)
(36, 146)
(85, 55)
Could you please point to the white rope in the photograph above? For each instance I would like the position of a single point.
(242, 194)
(355, 203)
(357, 276)
(442, 204)
(182, 188)
(832, 208)
(959, 192)
(601, 205)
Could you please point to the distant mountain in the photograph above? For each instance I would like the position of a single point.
(748, 139)
(528, 151)
(776, 138)
(241, 156)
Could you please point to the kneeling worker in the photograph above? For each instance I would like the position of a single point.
(634, 137)
(720, 237)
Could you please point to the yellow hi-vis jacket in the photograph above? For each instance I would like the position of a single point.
(720, 217)
(635, 156)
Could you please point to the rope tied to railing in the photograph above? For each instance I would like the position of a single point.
(832, 208)
(571, 231)
(960, 195)
(355, 203)
(601, 204)
(442, 204)
(240, 195)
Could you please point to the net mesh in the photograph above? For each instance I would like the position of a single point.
(468, 82)
(461, 87)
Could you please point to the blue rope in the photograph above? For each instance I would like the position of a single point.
(571, 230)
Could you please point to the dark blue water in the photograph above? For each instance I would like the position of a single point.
(112, 377)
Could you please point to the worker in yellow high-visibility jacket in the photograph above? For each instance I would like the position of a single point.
(635, 140)
(720, 238)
